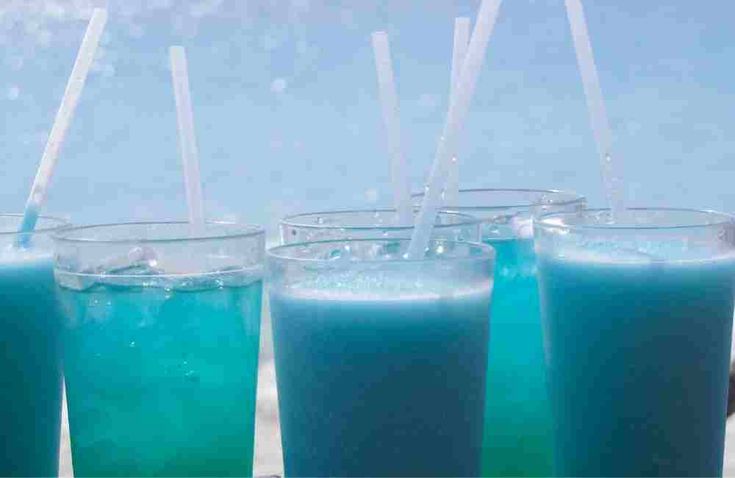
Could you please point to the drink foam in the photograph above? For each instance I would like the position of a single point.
(12, 256)
(639, 253)
(350, 286)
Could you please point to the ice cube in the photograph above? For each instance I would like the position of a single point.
(522, 226)
(138, 260)
(76, 282)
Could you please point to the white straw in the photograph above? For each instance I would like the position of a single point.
(187, 137)
(595, 105)
(459, 50)
(459, 106)
(64, 115)
(389, 105)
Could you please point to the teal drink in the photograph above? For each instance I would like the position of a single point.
(161, 351)
(30, 365)
(517, 427)
(380, 361)
(638, 321)
(517, 414)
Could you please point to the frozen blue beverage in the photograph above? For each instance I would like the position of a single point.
(380, 361)
(638, 321)
(30, 365)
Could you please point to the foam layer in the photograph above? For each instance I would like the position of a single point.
(379, 287)
(639, 253)
(11, 256)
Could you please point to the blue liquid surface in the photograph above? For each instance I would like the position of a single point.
(517, 440)
(30, 369)
(638, 360)
(160, 381)
(381, 387)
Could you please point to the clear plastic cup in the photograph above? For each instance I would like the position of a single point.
(30, 362)
(160, 337)
(517, 416)
(507, 213)
(372, 224)
(380, 361)
(638, 318)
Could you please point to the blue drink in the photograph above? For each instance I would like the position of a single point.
(638, 332)
(380, 374)
(517, 435)
(517, 418)
(30, 368)
(161, 367)
(161, 382)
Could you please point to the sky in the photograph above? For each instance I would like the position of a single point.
(287, 115)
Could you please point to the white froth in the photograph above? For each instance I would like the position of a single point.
(383, 289)
(11, 256)
(640, 256)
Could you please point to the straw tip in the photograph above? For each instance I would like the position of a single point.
(575, 5)
(99, 13)
(177, 53)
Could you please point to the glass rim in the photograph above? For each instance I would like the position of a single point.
(246, 231)
(486, 252)
(546, 221)
(60, 223)
(574, 198)
(467, 220)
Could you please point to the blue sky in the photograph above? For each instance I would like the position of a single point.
(285, 101)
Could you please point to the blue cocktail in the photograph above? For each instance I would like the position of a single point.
(30, 365)
(638, 320)
(380, 361)
(517, 431)
(161, 347)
